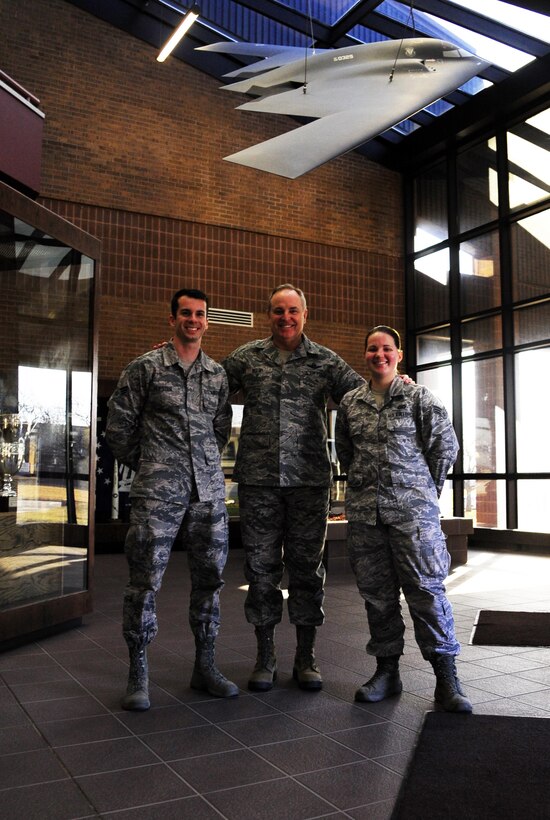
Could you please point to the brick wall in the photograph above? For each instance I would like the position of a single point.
(133, 154)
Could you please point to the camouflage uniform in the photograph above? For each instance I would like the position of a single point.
(284, 472)
(397, 458)
(171, 428)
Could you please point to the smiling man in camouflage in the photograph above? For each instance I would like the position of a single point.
(169, 419)
(284, 474)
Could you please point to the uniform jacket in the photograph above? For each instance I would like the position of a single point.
(169, 427)
(396, 457)
(283, 439)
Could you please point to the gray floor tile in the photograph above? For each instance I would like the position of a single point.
(225, 770)
(307, 754)
(130, 788)
(61, 800)
(194, 742)
(355, 784)
(262, 801)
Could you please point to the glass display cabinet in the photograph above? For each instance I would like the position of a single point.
(48, 378)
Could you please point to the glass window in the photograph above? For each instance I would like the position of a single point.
(483, 416)
(479, 261)
(439, 381)
(477, 185)
(45, 415)
(532, 324)
(533, 498)
(495, 52)
(532, 429)
(327, 11)
(433, 346)
(530, 239)
(481, 335)
(485, 502)
(430, 208)
(446, 500)
(529, 160)
(431, 281)
(529, 22)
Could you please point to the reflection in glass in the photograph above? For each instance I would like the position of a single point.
(479, 261)
(532, 324)
(45, 409)
(430, 208)
(529, 160)
(485, 502)
(483, 416)
(43, 403)
(533, 505)
(531, 256)
(431, 288)
(532, 402)
(477, 185)
(433, 346)
(481, 335)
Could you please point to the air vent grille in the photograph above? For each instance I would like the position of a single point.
(241, 318)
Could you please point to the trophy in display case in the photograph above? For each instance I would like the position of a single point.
(12, 454)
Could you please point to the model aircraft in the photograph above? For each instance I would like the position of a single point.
(352, 94)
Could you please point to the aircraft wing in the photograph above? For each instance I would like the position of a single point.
(268, 56)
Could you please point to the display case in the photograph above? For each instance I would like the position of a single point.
(48, 274)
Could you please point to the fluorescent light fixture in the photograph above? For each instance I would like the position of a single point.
(190, 16)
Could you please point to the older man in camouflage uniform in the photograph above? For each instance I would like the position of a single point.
(169, 419)
(284, 474)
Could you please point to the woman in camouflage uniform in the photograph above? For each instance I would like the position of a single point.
(396, 443)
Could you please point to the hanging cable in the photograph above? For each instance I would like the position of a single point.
(304, 87)
(411, 22)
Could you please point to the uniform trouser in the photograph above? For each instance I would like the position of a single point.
(404, 556)
(284, 526)
(153, 528)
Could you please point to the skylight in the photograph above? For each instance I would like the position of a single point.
(497, 53)
(528, 22)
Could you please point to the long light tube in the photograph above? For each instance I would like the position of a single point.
(190, 16)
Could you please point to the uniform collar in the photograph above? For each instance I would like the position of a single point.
(170, 357)
(305, 348)
(395, 390)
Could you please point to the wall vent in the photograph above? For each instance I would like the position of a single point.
(241, 318)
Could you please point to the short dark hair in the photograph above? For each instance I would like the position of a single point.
(192, 293)
(384, 329)
(287, 286)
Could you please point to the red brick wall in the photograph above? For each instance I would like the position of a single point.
(133, 153)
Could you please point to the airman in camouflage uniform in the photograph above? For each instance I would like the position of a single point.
(284, 473)
(169, 419)
(396, 443)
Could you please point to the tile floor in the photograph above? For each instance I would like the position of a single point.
(67, 750)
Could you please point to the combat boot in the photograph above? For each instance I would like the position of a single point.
(206, 676)
(136, 698)
(265, 671)
(305, 670)
(384, 683)
(448, 691)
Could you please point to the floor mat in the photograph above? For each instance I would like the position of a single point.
(498, 628)
(478, 767)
